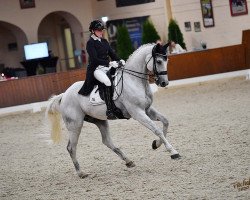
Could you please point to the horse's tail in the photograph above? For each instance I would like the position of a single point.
(53, 114)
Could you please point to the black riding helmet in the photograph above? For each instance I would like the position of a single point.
(96, 25)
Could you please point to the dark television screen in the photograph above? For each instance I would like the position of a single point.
(122, 3)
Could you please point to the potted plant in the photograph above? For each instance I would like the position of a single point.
(124, 44)
(149, 33)
(175, 34)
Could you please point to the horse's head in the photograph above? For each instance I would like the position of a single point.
(157, 63)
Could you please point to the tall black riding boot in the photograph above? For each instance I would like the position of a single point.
(108, 100)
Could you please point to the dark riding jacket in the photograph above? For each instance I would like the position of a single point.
(100, 53)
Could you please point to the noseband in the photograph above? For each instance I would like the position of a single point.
(154, 55)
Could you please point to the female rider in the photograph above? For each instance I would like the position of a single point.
(100, 52)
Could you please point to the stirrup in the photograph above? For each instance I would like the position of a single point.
(110, 114)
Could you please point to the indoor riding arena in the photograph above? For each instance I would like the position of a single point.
(199, 50)
(209, 126)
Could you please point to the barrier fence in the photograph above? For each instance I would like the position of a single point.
(37, 88)
(191, 64)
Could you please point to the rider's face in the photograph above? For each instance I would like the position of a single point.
(98, 33)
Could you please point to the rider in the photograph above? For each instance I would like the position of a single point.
(99, 52)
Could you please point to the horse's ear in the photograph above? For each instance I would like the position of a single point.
(166, 46)
(158, 45)
(157, 48)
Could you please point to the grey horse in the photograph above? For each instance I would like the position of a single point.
(135, 101)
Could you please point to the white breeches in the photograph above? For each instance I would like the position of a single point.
(100, 75)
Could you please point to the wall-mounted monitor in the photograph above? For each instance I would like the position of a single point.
(36, 51)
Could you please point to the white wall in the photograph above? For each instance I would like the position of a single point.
(227, 30)
(29, 19)
(157, 11)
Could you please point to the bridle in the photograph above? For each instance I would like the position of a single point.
(155, 74)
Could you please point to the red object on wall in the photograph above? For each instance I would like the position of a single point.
(84, 59)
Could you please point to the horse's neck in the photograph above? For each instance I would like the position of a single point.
(137, 63)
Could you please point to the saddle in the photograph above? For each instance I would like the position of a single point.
(96, 97)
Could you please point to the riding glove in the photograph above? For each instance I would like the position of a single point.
(113, 64)
(122, 62)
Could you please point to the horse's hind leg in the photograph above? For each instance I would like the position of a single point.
(106, 139)
(74, 128)
(156, 116)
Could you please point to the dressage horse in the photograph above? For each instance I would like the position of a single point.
(134, 100)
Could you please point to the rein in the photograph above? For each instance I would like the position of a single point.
(155, 74)
(140, 73)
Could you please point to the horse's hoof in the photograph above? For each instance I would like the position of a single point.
(130, 164)
(176, 156)
(82, 175)
(154, 145)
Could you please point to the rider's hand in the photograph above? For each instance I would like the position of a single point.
(113, 64)
(122, 62)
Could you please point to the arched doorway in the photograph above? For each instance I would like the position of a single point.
(12, 40)
(64, 34)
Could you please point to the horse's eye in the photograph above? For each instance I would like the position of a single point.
(158, 61)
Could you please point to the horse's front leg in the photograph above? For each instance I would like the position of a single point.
(141, 117)
(157, 116)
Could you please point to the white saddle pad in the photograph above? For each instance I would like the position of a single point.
(95, 99)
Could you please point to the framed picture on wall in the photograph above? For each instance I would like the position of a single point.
(187, 26)
(27, 4)
(238, 7)
(197, 26)
(207, 13)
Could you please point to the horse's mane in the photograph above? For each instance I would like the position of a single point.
(139, 49)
